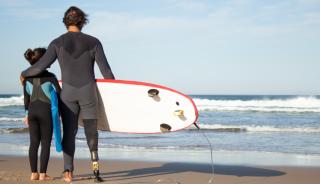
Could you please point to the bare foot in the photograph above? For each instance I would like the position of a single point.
(67, 176)
(34, 176)
(44, 176)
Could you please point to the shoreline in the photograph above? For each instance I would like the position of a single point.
(16, 169)
(182, 156)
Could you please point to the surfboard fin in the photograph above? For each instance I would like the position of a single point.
(178, 112)
(153, 92)
(164, 128)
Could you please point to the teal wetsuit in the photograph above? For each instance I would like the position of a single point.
(38, 96)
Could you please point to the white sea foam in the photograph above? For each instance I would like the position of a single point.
(10, 119)
(177, 155)
(256, 128)
(298, 104)
(11, 101)
(129, 147)
(14, 130)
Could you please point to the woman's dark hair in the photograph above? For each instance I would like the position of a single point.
(74, 16)
(34, 55)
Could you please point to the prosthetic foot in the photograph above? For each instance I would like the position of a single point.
(95, 167)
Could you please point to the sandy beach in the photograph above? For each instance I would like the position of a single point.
(16, 170)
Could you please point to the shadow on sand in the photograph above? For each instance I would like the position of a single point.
(172, 168)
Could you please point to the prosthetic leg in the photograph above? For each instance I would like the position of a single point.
(90, 129)
(95, 166)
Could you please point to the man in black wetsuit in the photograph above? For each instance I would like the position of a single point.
(76, 53)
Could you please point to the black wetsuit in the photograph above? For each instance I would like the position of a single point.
(76, 53)
(38, 107)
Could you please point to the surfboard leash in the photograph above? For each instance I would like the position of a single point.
(173, 181)
(211, 152)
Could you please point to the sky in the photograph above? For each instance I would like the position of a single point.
(224, 47)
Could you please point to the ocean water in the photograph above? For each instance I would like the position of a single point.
(241, 129)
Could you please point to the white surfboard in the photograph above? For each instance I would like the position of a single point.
(139, 107)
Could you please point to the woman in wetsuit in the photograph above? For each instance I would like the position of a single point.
(37, 101)
(76, 53)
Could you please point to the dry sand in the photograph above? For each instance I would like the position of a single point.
(16, 170)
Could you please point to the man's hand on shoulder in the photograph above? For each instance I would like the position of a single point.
(22, 79)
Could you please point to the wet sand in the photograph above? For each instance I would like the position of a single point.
(15, 169)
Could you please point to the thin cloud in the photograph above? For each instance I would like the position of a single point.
(14, 3)
(229, 21)
(34, 14)
(312, 18)
(119, 26)
(189, 5)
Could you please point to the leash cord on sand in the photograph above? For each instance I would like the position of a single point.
(211, 153)
(210, 181)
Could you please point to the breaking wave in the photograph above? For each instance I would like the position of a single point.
(297, 104)
(14, 130)
(255, 128)
(10, 119)
(11, 101)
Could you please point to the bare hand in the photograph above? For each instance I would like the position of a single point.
(21, 79)
(26, 121)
